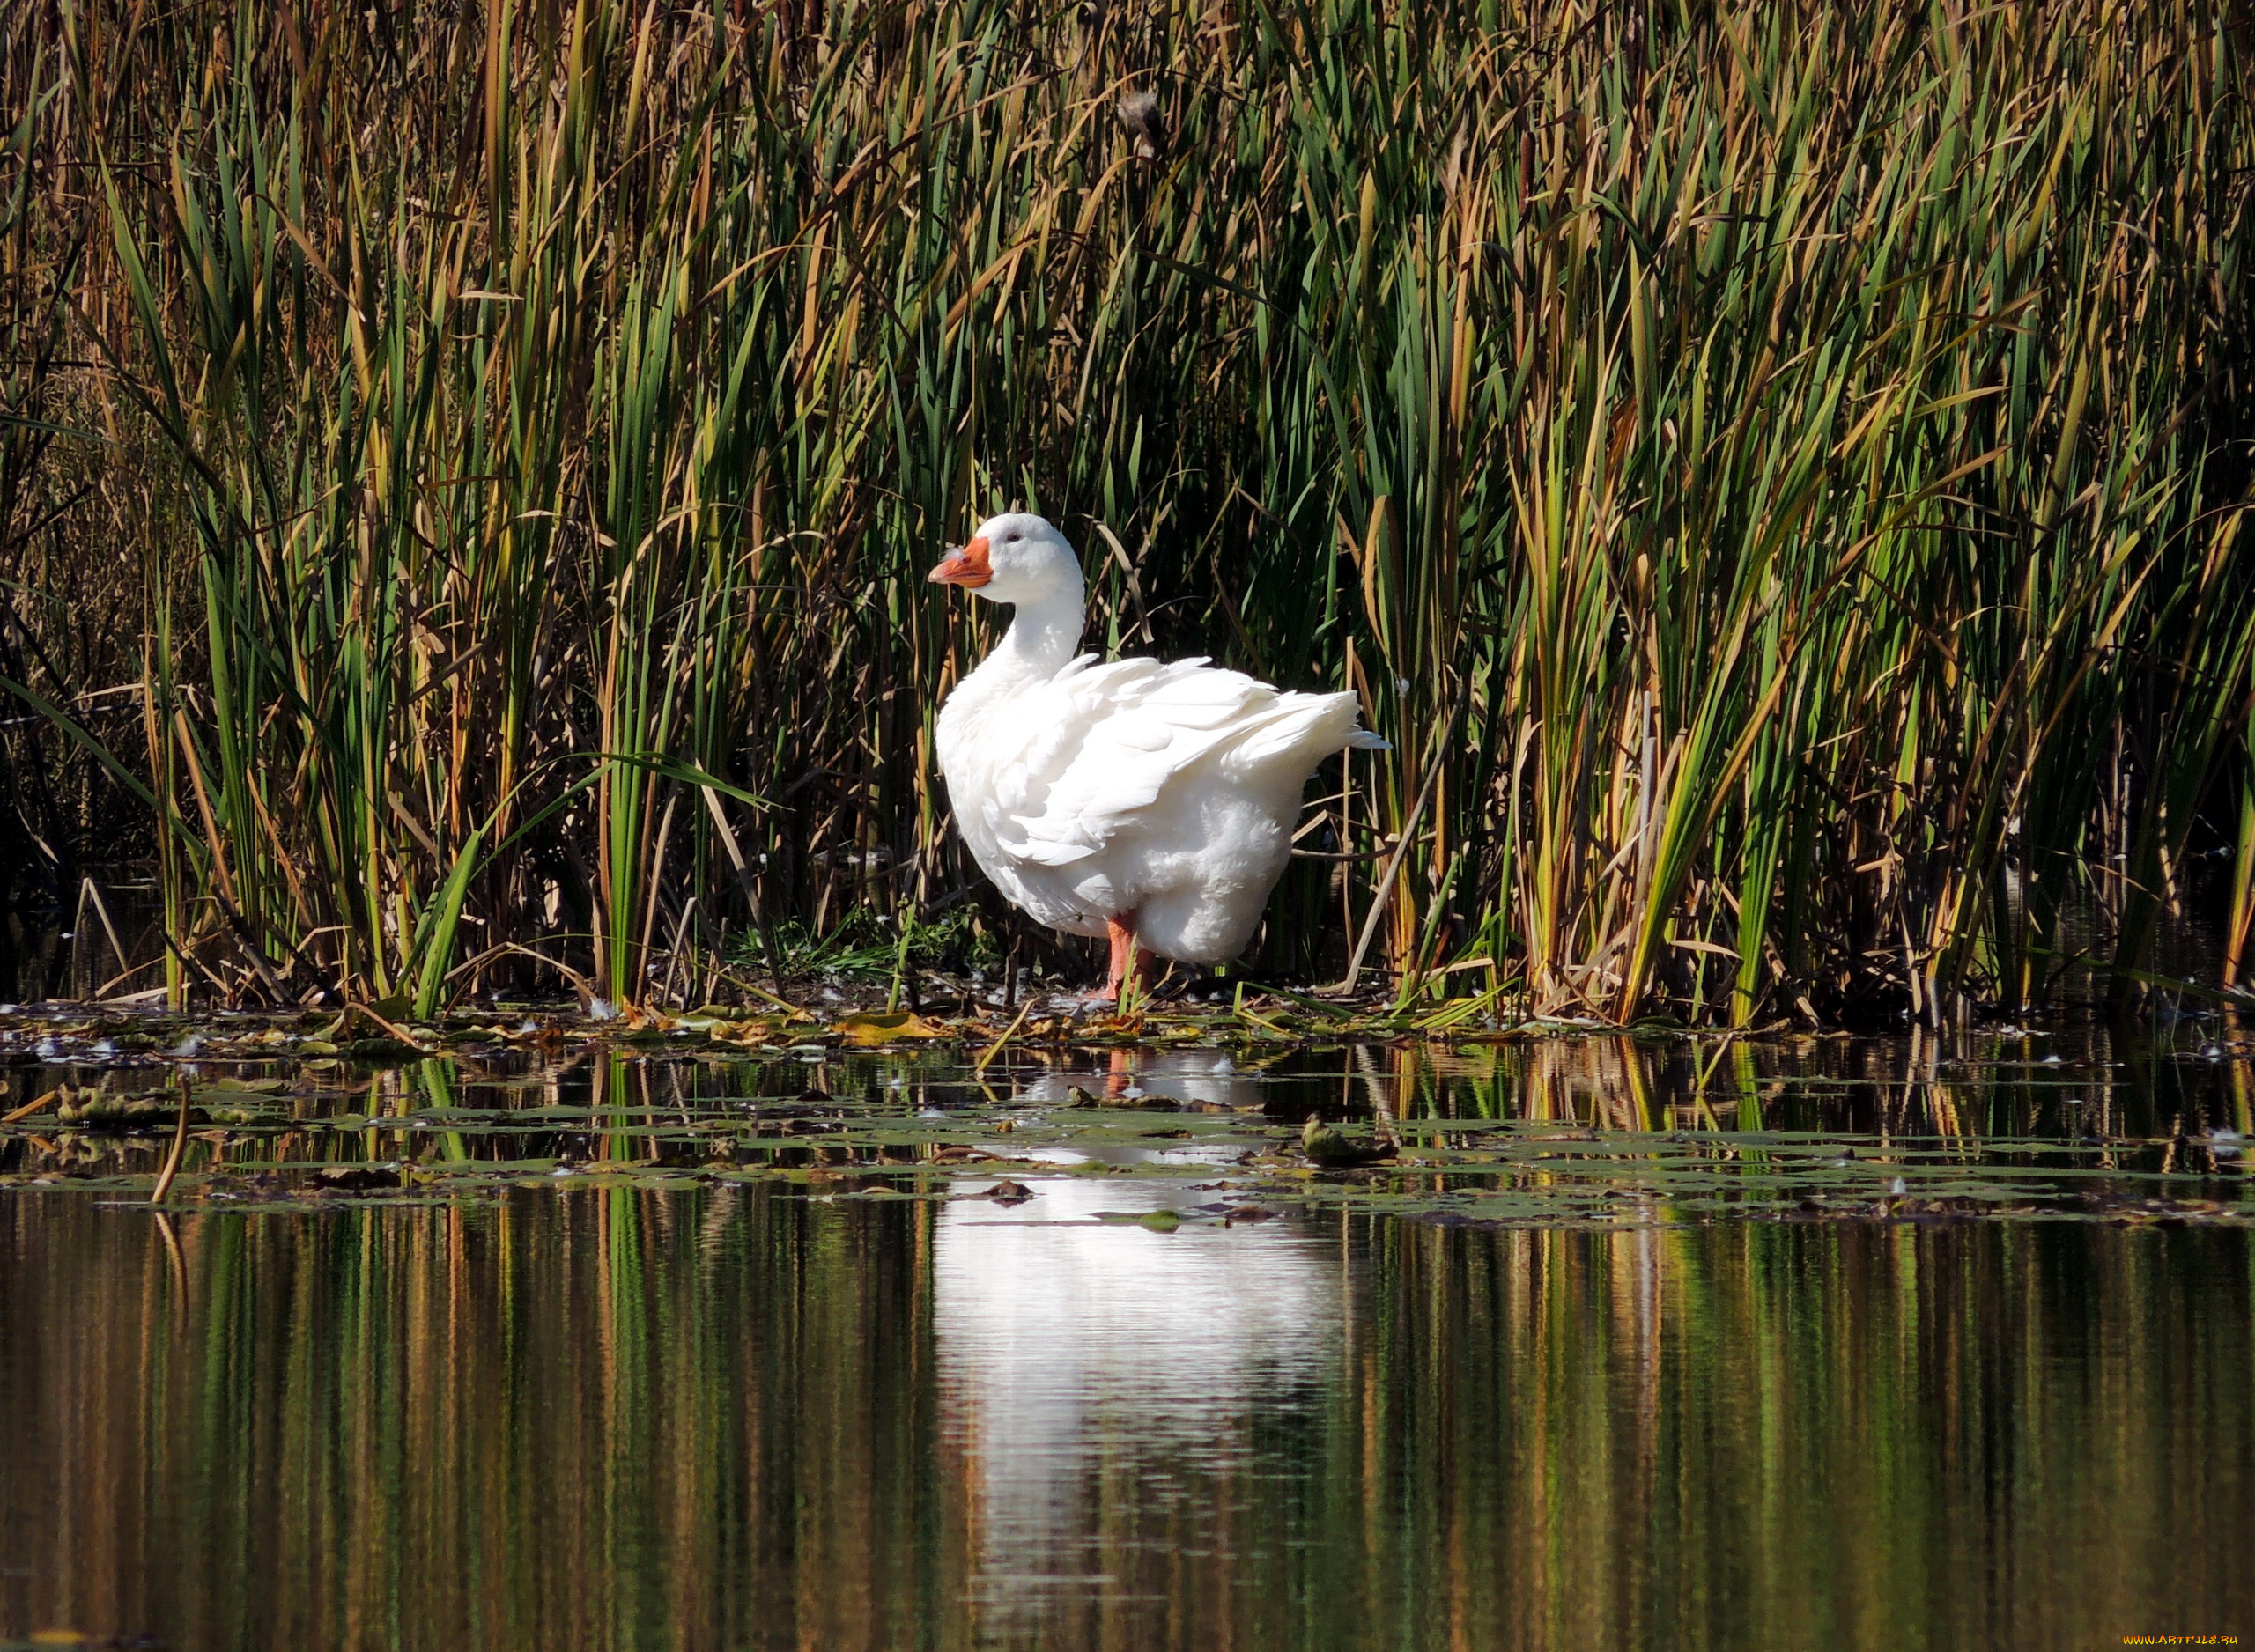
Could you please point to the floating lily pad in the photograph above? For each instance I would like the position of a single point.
(883, 1028)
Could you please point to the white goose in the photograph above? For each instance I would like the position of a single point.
(1148, 803)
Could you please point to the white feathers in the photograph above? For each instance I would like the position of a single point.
(1089, 791)
(1126, 746)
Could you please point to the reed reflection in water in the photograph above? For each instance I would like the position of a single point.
(739, 1419)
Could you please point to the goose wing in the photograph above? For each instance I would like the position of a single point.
(1107, 744)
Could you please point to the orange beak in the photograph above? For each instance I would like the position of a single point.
(968, 566)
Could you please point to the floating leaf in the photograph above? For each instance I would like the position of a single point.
(872, 1027)
(1156, 1221)
(753, 1029)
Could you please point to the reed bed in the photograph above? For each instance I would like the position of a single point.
(1777, 475)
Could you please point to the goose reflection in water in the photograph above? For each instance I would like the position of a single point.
(1189, 1077)
(1210, 1076)
(1103, 1379)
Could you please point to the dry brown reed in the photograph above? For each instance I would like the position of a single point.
(1775, 473)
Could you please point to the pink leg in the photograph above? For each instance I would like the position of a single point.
(1122, 933)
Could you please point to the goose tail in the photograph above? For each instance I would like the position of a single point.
(1302, 731)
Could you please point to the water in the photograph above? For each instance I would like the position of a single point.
(643, 1419)
(1569, 1374)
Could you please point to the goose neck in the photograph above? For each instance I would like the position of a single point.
(1044, 634)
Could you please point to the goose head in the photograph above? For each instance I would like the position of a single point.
(1015, 558)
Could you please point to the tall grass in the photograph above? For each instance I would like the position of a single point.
(1775, 475)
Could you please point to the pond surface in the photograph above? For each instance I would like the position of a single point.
(1620, 1345)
